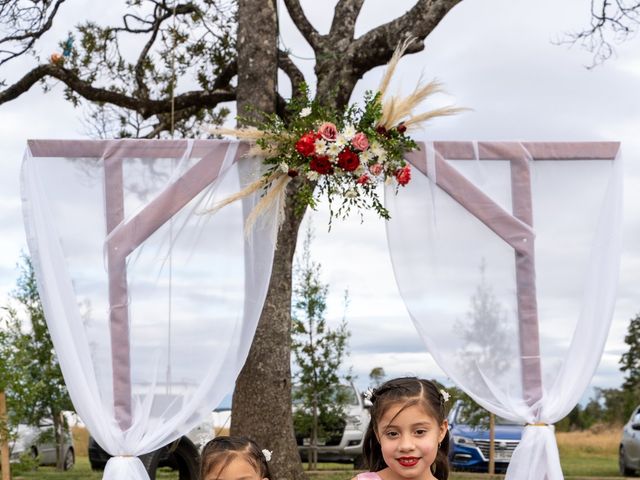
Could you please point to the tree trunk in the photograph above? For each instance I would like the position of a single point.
(58, 438)
(266, 417)
(4, 438)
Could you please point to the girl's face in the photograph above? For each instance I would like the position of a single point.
(237, 469)
(409, 439)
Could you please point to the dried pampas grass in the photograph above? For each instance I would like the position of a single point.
(396, 109)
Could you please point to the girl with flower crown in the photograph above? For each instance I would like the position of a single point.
(234, 458)
(408, 436)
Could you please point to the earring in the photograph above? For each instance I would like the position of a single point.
(439, 445)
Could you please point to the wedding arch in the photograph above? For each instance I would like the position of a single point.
(116, 226)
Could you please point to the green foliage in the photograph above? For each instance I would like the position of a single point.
(318, 352)
(348, 186)
(630, 360)
(377, 376)
(33, 383)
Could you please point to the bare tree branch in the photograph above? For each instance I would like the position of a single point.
(27, 35)
(612, 22)
(145, 107)
(293, 72)
(344, 19)
(302, 23)
(377, 46)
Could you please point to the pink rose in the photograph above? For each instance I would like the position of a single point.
(376, 169)
(403, 175)
(328, 131)
(360, 141)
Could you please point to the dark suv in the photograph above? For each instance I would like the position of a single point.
(469, 446)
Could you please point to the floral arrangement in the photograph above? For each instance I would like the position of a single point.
(341, 155)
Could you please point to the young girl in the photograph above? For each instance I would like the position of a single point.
(233, 458)
(408, 436)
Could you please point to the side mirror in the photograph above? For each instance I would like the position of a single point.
(366, 403)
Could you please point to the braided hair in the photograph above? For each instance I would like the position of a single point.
(221, 451)
(408, 391)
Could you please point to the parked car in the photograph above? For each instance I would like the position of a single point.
(39, 442)
(346, 444)
(469, 445)
(629, 450)
(182, 455)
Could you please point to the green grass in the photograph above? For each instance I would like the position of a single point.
(576, 465)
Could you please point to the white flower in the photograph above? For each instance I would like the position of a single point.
(312, 175)
(351, 193)
(341, 141)
(445, 395)
(267, 454)
(368, 394)
(321, 146)
(284, 167)
(377, 150)
(366, 156)
(333, 149)
(349, 132)
(305, 112)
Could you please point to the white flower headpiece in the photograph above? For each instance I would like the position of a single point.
(445, 395)
(368, 394)
(267, 454)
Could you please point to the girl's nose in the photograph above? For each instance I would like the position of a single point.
(406, 443)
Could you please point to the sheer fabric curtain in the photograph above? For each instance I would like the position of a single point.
(151, 301)
(507, 255)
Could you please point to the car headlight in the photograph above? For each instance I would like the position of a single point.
(467, 442)
(353, 420)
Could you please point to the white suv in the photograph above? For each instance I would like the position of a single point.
(348, 446)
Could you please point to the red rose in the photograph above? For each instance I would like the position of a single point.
(306, 145)
(292, 173)
(401, 128)
(321, 164)
(381, 130)
(364, 178)
(403, 175)
(348, 160)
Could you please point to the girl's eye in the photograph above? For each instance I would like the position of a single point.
(391, 434)
(421, 431)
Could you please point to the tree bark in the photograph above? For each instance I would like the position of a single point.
(4, 440)
(262, 397)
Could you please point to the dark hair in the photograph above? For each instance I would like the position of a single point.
(221, 451)
(408, 391)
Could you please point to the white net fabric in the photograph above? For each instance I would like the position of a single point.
(151, 303)
(506, 257)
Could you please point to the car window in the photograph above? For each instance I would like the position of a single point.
(636, 418)
(461, 417)
(346, 392)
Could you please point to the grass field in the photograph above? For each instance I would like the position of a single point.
(584, 455)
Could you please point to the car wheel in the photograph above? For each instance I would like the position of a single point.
(186, 458)
(151, 462)
(358, 462)
(622, 464)
(69, 459)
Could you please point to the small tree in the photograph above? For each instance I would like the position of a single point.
(377, 376)
(36, 388)
(318, 352)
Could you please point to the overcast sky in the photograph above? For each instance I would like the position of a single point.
(497, 57)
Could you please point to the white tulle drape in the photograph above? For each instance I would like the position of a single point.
(507, 258)
(149, 340)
